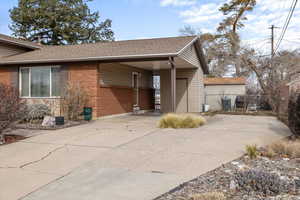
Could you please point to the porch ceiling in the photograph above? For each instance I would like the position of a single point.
(163, 64)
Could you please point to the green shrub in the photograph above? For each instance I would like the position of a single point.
(209, 196)
(294, 114)
(172, 120)
(252, 151)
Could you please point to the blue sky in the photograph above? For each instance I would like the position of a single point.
(134, 19)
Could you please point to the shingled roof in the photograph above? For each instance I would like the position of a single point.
(225, 81)
(145, 48)
(19, 42)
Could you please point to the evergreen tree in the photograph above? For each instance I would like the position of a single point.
(59, 22)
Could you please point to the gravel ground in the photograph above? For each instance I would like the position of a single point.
(271, 179)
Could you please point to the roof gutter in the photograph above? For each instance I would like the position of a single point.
(106, 58)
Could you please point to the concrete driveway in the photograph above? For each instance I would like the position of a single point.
(125, 158)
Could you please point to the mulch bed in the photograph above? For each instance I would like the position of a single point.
(222, 179)
(38, 126)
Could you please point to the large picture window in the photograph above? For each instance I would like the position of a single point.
(40, 81)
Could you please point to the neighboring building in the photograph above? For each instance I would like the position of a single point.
(218, 88)
(117, 75)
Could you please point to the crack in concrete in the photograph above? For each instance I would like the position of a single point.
(42, 158)
(35, 161)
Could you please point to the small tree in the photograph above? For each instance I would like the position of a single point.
(294, 114)
(73, 100)
(11, 107)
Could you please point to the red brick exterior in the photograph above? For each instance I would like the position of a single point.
(103, 100)
(117, 100)
(87, 76)
(6, 75)
(107, 100)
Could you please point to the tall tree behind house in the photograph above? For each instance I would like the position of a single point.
(59, 22)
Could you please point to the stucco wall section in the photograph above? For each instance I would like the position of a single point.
(214, 93)
(115, 74)
(195, 89)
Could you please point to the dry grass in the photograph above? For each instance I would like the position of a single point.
(252, 151)
(209, 196)
(172, 120)
(284, 148)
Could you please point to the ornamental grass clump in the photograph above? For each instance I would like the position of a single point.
(286, 148)
(176, 121)
(252, 151)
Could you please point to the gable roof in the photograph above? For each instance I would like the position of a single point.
(108, 51)
(18, 42)
(225, 81)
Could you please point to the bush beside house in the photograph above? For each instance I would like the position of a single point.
(294, 114)
(12, 108)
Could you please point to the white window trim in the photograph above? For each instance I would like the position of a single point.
(29, 97)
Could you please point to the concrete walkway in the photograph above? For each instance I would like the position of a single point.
(125, 158)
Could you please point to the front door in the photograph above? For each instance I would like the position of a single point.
(135, 85)
(182, 95)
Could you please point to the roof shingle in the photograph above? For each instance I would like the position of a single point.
(102, 50)
(19, 42)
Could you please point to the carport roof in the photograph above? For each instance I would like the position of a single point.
(145, 48)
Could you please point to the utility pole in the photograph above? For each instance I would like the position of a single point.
(272, 40)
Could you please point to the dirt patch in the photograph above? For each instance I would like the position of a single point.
(12, 138)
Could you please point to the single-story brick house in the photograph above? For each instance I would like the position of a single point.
(117, 75)
(217, 88)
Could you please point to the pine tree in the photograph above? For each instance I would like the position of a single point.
(59, 22)
(235, 11)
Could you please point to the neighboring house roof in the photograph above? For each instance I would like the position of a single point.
(19, 42)
(225, 81)
(108, 51)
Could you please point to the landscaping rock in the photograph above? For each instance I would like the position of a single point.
(284, 174)
(48, 121)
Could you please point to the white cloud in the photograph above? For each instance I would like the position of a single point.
(205, 15)
(177, 2)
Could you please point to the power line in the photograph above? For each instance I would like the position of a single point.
(286, 24)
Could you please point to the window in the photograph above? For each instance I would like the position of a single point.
(40, 82)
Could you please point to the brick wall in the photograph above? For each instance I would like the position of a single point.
(118, 100)
(88, 77)
(6, 75)
(104, 100)
(107, 100)
(114, 100)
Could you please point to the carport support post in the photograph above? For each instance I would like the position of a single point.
(173, 84)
